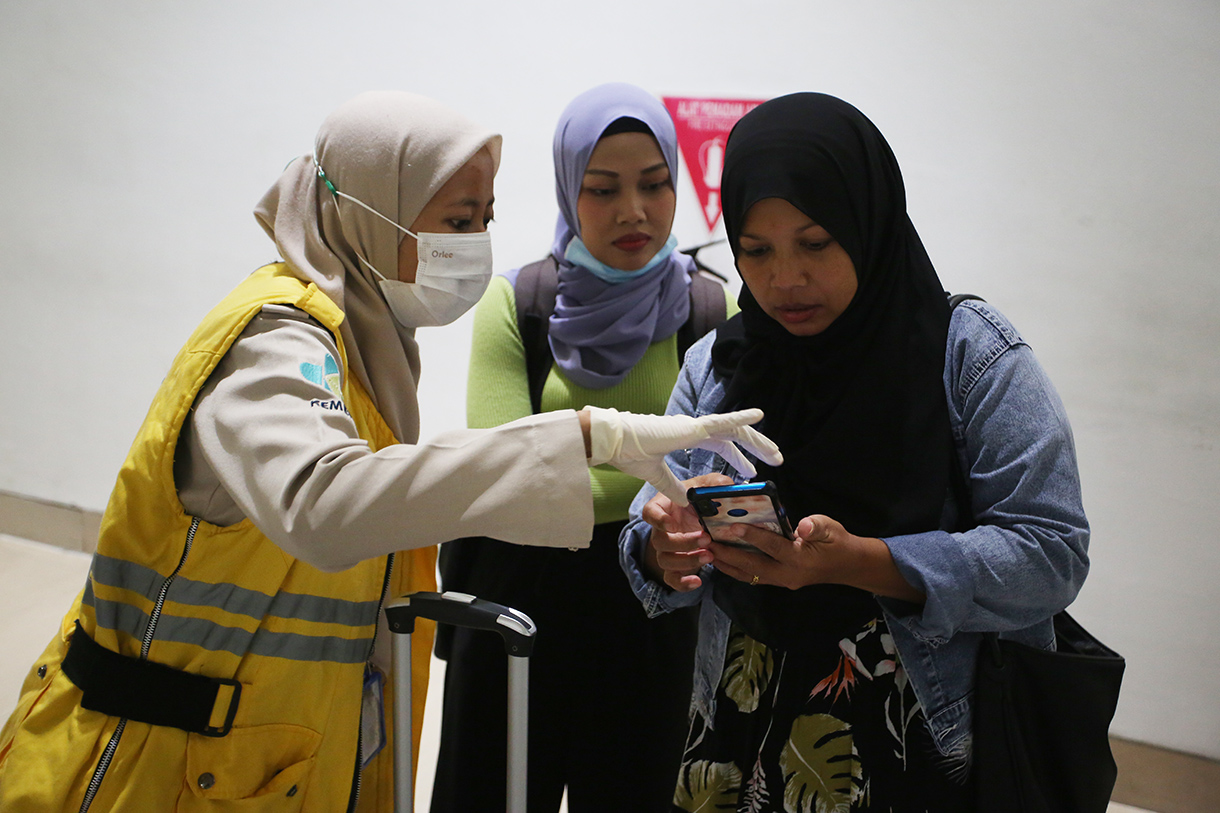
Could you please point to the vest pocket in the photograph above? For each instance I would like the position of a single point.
(251, 769)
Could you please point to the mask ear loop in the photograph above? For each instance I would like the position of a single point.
(322, 175)
(337, 194)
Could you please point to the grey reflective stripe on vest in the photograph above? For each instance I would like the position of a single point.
(231, 598)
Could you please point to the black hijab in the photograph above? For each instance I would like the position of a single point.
(858, 410)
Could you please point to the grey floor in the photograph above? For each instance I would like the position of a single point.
(37, 584)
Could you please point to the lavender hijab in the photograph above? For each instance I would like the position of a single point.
(599, 330)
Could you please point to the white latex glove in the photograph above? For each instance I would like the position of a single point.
(637, 444)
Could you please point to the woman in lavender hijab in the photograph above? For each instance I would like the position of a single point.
(609, 689)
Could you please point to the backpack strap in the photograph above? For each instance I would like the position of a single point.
(707, 310)
(535, 291)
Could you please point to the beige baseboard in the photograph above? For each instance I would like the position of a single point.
(1155, 778)
(51, 523)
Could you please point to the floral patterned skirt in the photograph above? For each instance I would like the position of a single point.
(815, 732)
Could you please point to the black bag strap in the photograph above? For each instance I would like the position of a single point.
(145, 691)
(957, 477)
(1066, 627)
(957, 299)
(536, 289)
(707, 310)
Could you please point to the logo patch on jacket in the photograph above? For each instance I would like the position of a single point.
(325, 375)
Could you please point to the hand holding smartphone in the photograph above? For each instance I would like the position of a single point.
(758, 504)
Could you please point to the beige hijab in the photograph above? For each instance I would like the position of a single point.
(392, 151)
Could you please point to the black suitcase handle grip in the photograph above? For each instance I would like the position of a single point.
(462, 610)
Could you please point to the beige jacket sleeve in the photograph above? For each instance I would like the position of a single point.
(264, 441)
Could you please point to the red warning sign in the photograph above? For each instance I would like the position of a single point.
(703, 127)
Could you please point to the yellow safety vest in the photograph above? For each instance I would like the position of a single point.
(225, 603)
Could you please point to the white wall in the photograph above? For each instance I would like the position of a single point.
(1060, 156)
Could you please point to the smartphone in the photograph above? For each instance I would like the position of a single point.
(758, 504)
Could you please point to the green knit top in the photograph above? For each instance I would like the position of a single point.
(497, 390)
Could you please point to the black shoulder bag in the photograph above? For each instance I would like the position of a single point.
(1042, 718)
(1042, 723)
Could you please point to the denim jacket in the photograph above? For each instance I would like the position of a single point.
(1024, 561)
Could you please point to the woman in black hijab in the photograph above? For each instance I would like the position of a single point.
(925, 450)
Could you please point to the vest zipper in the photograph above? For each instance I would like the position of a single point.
(151, 629)
(385, 585)
(355, 795)
(103, 764)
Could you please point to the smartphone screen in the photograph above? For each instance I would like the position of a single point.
(719, 507)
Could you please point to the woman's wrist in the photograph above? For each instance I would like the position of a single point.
(586, 430)
(872, 568)
(648, 561)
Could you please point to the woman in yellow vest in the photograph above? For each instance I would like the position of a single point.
(223, 653)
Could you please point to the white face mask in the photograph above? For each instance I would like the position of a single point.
(452, 273)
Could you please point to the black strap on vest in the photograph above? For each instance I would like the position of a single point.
(535, 292)
(145, 691)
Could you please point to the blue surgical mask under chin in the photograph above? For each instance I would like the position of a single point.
(578, 254)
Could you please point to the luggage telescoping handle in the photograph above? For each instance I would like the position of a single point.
(461, 610)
